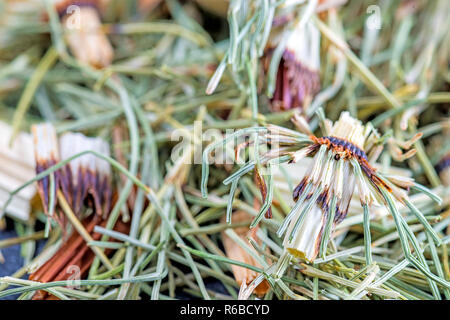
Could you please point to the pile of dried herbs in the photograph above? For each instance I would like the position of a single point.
(262, 149)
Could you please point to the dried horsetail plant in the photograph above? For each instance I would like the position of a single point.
(89, 174)
(16, 167)
(233, 251)
(321, 197)
(84, 176)
(342, 159)
(297, 79)
(73, 258)
(46, 154)
(84, 182)
(16, 14)
(85, 36)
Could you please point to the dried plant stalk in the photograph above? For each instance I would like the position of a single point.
(16, 168)
(235, 252)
